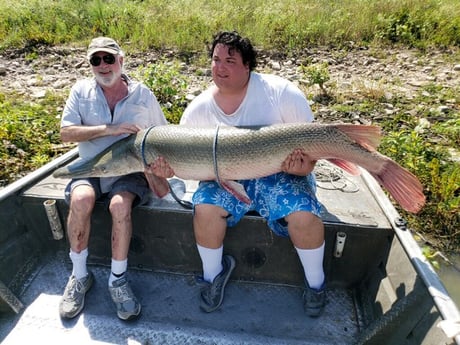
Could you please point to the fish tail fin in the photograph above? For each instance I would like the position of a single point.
(402, 185)
(367, 136)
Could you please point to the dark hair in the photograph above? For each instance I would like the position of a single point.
(236, 43)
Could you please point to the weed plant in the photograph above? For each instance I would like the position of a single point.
(169, 86)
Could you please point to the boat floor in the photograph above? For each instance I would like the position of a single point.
(252, 313)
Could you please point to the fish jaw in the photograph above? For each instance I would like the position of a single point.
(121, 158)
(87, 169)
(80, 169)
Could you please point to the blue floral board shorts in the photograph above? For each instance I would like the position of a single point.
(273, 197)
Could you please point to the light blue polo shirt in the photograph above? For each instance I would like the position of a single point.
(86, 105)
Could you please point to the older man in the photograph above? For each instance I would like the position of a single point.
(99, 112)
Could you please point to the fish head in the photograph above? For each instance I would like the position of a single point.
(119, 159)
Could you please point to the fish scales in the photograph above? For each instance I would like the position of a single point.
(187, 150)
(243, 153)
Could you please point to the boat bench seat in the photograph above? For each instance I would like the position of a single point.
(163, 226)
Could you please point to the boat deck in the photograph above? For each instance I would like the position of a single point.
(252, 313)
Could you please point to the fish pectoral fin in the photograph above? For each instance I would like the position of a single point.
(236, 189)
(345, 165)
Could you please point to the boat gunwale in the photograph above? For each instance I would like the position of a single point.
(446, 306)
(38, 174)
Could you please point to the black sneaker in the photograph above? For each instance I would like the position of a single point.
(212, 294)
(314, 300)
(73, 299)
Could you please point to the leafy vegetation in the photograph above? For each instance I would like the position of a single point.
(29, 134)
(168, 85)
(287, 25)
(422, 142)
(317, 74)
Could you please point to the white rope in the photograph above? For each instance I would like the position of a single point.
(332, 178)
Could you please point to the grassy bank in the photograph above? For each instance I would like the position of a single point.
(185, 24)
(288, 27)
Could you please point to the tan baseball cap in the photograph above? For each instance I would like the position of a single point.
(103, 44)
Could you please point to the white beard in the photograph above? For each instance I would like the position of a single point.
(108, 80)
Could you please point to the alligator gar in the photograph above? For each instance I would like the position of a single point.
(227, 154)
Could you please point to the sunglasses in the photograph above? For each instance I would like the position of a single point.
(95, 60)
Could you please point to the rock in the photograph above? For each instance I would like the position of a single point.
(443, 109)
(354, 73)
(416, 83)
(39, 94)
(61, 84)
(275, 65)
(422, 125)
(454, 154)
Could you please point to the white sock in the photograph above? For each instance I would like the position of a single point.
(212, 262)
(118, 268)
(312, 262)
(79, 269)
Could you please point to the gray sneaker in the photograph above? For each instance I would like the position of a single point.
(73, 299)
(128, 307)
(212, 294)
(314, 300)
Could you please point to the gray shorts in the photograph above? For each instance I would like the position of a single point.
(135, 183)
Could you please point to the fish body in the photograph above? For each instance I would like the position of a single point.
(237, 153)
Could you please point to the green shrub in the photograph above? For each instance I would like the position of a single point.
(317, 74)
(168, 84)
(29, 133)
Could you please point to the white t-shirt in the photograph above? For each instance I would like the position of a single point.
(269, 100)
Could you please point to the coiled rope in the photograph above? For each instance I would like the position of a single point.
(330, 177)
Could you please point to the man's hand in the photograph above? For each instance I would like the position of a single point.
(123, 128)
(298, 163)
(160, 168)
(157, 174)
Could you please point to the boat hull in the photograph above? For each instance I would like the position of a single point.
(376, 294)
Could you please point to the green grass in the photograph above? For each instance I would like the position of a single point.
(289, 25)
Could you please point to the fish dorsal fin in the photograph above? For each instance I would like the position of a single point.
(365, 135)
(345, 165)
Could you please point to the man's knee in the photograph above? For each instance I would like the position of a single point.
(120, 207)
(305, 229)
(208, 211)
(82, 199)
(304, 219)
